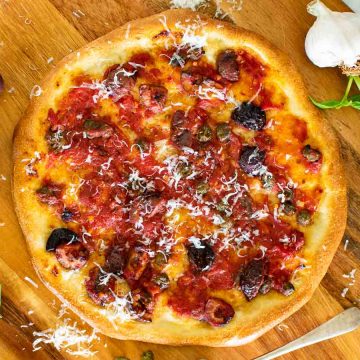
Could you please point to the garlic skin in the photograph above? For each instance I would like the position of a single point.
(334, 38)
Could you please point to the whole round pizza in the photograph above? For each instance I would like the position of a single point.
(175, 185)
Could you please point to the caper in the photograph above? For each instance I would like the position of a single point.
(267, 180)
(160, 258)
(221, 206)
(287, 289)
(162, 280)
(289, 208)
(223, 132)
(202, 188)
(266, 286)
(45, 190)
(303, 217)
(142, 144)
(92, 124)
(56, 140)
(287, 194)
(310, 154)
(147, 355)
(204, 134)
(184, 170)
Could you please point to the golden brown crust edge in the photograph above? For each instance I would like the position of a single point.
(333, 212)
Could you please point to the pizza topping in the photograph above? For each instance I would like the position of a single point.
(228, 66)
(200, 254)
(289, 208)
(115, 260)
(56, 140)
(223, 132)
(287, 289)
(204, 134)
(250, 116)
(153, 97)
(142, 304)
(137, 262)
(100, 287)
(67, 215)
(60, 236)
(49, 193)
(72, 256)
(97, 129)
(303, 217)
(310, 154)
(118, 77)
(252, 278)
(218, 312)
(162, 280)
(252, 159)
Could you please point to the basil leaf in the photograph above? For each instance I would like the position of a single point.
(329, 104)
(357, 81)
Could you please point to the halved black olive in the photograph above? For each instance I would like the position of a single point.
(202, 257)
(251, 159)
(250, 116)
(218, 312)
(60, 236)
(252, 278)
(228, 66)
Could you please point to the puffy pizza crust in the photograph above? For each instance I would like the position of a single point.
(252, 319)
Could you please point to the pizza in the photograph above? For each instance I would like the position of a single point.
(175, 185)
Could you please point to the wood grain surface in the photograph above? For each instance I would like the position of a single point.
(34, 36)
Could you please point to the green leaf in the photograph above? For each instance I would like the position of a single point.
(355, 105)
(355, 97)
(328, 104)
(357, 81)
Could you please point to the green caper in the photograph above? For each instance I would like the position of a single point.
(310, 154)
(267, 180)
(45, 190)
(289, 208)
(92, 124)
(266, 286)
(221, 206)
(162, 280)
(287, 289)
(147, 355)
(303, 217)
(288, 194)
(56, 140)
(160, 259)
(184, 170)
(142, 144)
(202, 188)
(223, 132)
(204, 134)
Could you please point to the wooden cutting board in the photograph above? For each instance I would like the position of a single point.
(34, 36)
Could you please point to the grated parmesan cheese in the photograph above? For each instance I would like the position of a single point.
(186, 4)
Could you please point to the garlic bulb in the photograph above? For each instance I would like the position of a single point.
(334, 38)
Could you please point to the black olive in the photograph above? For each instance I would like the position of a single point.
(289, 208)
(251, 159)
(60, 236)
(310, 154)
(303, 217)
(162, 280)
(178, 119)
(287, 289)
(223, 132)
(182, 137)
(252, 278)
(250, 116)
(66, 215)
(115, 260)
(201, 257)
(202, 188)
(204, 134)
